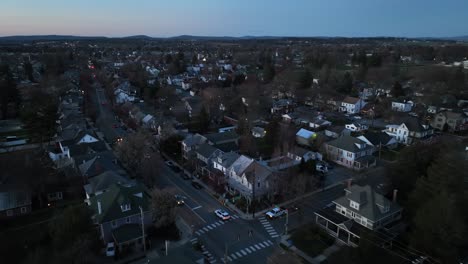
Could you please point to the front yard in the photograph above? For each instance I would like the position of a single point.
(311, 240)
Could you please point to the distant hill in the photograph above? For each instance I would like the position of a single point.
(186, 37)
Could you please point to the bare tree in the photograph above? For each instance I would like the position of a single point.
(133, 149)
(163, 204)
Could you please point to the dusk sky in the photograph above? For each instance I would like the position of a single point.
(160, 18)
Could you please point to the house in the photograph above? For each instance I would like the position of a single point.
(206, 152)
(15, 200)
(305, 137)
(282, 106)
(102, 182)
(258, 132)
(318, 123)
(379, 139)
(224, 161)
(119, 213)
(301, 154)
(248, 178)
(334, 131)
(149, 122)
(59, 152)
(356, 127)
(451, 121)
(350, 152)
(360, 210)
(191, 142)
(409, 131)
(85, 137)
(352, 105)
(222, 138)
(96, 163)
(402, 106)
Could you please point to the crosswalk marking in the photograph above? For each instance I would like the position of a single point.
(239, 254)
(243, 252)
(248, 250)
(229, 258)
(233, 256)
(257, 246)
(275, 236)
(205, 229)
(264, 244)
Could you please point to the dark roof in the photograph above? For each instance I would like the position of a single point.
(335, 129)
(127, 232)
(349, 143)
(206, 150)
(104, 181)
(221, 137)
(414, 124)
(97, 163)
(376, 138)
(13, 196)
(350, 100)
(117, 195)
(228, 147)
(371, 203)
(87, 148)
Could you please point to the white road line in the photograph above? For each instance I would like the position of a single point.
(257, 246)
(253, 249)
(269, 242)
(205, 229)
(229, 258)
(275, 236)
(264, 244)
(209, 227)
(197, 207)
(239, 254)
(194, 240)
(243, 252)
(233, 256)
(272, 233)
(220, 222)
(186, 196)
(248, 250)
(268, 227)
(205, 252)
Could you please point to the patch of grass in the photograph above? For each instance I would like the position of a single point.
(312, 240)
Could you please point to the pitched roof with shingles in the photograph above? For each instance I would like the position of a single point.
(350, 100)
(103, 181)
(192, 140)
(241, 164)
(224, 136)
(116, 196)
(228, 159)
(206, 150)
(414, 124)
(349, 143)
(377, 137)
(371, 203)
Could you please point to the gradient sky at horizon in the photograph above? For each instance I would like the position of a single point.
(165, 18)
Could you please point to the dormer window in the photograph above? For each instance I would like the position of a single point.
(125, 207)
(354, 205)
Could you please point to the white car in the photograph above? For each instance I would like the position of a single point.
(110, 249)
(222, 214)
(276, 212)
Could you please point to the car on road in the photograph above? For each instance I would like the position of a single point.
(222, 214)
(110, 249)
(169, 163)
(185, 176)
(180, 200)
(197, 185)
(276, 212)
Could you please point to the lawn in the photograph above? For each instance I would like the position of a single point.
(312, 240)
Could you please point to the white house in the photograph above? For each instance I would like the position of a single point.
(350, 152)
(409, 131)
(352, 105)
(258, 132)
(356, 127)
(404, 106)
(149, 122)
(59, 152)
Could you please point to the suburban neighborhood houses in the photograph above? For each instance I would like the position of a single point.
(233, 150)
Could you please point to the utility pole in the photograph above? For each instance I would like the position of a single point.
(143, 229)
(225, 253)
(286, 224)
(253, 191)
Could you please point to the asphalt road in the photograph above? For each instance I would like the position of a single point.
(232, 236)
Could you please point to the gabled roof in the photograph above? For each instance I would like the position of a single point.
(241, 164)
(13, 196)
(206, 150)
(192, 140)
(223, 136)
(350, 100)
(414, 124)
(371, 203)
(349, 143)
(97, 164)
(377, 138)
(259, 171)
(116, 196)
(104, 181)
(228, 159)
(86, 148)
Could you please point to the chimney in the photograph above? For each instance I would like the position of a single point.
(395, 195)
(350, 181)
(99, 207)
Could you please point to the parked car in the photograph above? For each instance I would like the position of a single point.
(185, 176)
(222, 214)
(170, 163)
(180, 199)
(110, 249)
(197, 185)
(276, 212)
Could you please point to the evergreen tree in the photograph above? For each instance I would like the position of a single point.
(397, 90)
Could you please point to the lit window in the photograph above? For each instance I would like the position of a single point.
(125, 207)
